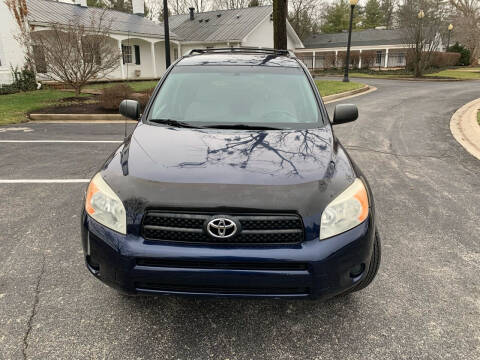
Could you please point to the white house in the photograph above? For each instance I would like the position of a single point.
(386, 45)
(142, 40)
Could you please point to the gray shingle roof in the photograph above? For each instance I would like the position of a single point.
(47, 11)
(221, 25)
(359, 38)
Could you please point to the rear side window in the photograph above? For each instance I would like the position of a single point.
(237, 95)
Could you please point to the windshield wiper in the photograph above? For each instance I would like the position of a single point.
(242, 127)
(175, 123)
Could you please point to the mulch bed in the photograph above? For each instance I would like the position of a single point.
(75, 105)
(75, 109)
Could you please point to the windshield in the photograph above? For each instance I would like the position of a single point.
(237, 95)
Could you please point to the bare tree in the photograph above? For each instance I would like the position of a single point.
(75, 53)
(467, 25)
(387, 8)
(231, 4)
(20, 11)
(421, 22)
(304, 16)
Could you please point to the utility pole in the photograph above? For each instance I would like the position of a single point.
(280, 11)
(167, 34)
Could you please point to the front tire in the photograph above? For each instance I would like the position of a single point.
(373, 267)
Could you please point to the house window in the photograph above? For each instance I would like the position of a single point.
(137, 54)
(378, 59)
(39, 59)
(127, 54)
(175, 53)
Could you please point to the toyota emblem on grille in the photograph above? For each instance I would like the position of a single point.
(221, 228)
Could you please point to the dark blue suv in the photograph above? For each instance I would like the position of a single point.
(232, 184)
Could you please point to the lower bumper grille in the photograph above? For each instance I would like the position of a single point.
(221, 289)
(190, 264)
(253, 228)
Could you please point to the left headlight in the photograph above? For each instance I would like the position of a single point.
(346, 211)
(103, 205)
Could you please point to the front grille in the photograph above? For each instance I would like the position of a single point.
(200, 264)
(212, 289)
(254, 228)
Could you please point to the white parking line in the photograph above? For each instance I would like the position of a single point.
(44, 181)
(64, 141)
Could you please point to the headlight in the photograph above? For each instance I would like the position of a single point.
(348, 210)
(105, 206)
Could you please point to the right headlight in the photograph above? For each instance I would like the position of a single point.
(102, 204)
(348, 210)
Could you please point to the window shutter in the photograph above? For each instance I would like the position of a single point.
(137, 54)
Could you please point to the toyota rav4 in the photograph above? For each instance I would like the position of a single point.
(232, 184)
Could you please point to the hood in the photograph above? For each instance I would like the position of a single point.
(274, 157)
(289, 170)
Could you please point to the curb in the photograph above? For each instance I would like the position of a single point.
(76, 117)
(465, 129)
(348, 94)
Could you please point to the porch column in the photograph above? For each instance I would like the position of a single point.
(360, 59)
(336, 58)
(313, 60)
(154, 62)
(121, 58)
(386, 58)
(179, 50)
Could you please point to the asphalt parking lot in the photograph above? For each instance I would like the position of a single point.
(424, 303)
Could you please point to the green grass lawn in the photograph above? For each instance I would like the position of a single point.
(330, 87)
(460, 73)
(14, 107)
(379, 75)
(137, 86)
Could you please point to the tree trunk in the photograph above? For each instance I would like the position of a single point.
(280, 10)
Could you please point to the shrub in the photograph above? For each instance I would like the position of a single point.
(354, 58)
(464, 54)
(24, 80)
(6, 89)
(443, 59)
(111, 97)
(144, 97)
(368, 58)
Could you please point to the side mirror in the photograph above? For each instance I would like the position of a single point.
(345, 113)
(130, 109)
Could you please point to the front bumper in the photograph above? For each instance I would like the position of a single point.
(313, 269)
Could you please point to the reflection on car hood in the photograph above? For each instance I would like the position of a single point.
(276, 157)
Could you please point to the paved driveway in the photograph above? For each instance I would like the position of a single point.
(425, 302)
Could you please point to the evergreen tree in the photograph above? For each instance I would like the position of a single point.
(373, 15)
(337, 17)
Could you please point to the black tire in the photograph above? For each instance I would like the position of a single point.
(374, 265)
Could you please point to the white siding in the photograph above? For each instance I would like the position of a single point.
(262, 36)
(11, 54)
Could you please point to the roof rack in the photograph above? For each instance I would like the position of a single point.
(242, 50)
